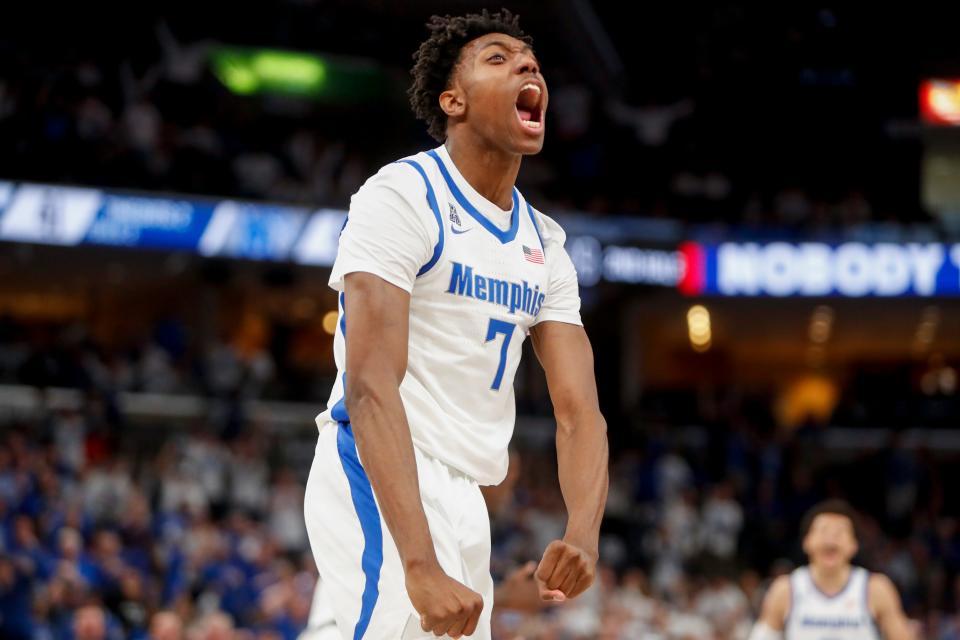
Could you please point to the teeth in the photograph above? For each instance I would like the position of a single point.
(530, 85)
(531, 124)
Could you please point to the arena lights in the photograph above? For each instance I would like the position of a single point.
(821, 324)
(335, 79)
(250, 71)
(330, 322)
(926, 329)
(940, 101)
(939, 378)
(698, 328)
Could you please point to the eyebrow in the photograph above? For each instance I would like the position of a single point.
(504, 45)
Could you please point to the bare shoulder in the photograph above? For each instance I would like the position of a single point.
(882, 592)
(780, 589)
(776, 604)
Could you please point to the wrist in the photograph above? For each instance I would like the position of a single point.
(587, 543)
(420, 565)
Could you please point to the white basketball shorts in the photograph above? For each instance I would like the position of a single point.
(355, 553)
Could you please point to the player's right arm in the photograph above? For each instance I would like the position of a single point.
(383, 245)
(377, 315)
(773, 613)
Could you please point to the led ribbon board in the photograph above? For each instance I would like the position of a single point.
(850, 269)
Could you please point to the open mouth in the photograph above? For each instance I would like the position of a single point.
(530, 106)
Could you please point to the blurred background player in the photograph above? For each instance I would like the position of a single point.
(830, 598)
(444, 269)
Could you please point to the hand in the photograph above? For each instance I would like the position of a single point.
(446, 607)
(565, 571)
(518, 591)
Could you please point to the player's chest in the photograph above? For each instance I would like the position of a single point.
(840, 616)
(502, 253)
(479, 271)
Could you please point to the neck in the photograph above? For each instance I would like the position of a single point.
(490, 171)
(831, 581)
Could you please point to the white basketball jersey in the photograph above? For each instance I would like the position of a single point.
(816, 616)
(479, 278)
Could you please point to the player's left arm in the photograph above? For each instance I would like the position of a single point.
(568, 566)
(886, 609)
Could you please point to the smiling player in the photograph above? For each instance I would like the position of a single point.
(443, 270)
(831, 599)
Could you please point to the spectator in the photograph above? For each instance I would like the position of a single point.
(166, 625)
(721, 522)
(90, 623)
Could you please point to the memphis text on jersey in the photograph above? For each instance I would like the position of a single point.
(512, 295)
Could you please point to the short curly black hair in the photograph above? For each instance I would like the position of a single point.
(438, 55)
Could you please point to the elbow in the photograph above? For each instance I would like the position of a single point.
(364, 391)
(571, 419)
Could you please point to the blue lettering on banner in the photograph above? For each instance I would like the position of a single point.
(514, 296)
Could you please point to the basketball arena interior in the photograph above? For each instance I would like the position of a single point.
(762, 204)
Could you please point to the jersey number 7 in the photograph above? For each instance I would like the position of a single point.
(505, 328)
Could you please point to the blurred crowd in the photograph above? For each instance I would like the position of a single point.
(170, 358)
(288, 359)
(175, 532)
(156, 118)
(188, 537)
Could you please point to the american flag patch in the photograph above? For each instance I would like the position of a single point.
(532, 255)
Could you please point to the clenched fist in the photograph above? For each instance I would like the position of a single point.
(565, 571)
(445, 606)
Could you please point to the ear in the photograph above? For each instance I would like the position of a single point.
(452, 102)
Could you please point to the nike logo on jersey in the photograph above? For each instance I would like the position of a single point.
(455, 219)
(512, 295)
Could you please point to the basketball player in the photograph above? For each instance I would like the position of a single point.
(443, 269)
(831, 599)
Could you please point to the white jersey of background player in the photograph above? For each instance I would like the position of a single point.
(443, 270)
(831, 599)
